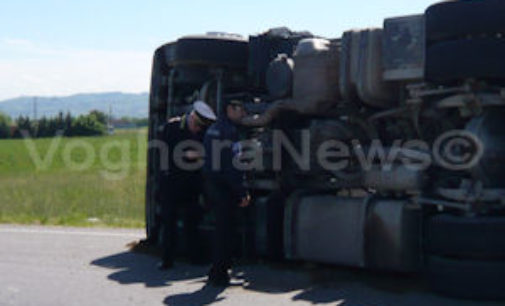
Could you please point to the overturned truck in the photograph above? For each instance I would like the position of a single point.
(381, 149)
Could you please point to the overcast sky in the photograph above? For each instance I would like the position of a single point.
(60, 47)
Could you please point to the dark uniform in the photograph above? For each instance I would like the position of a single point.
(180, 190)
(224, 190)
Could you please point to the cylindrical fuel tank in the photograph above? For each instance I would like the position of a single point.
(325, 228)
(265, 47)
(377, 233)
(316, 73)
(279, 77)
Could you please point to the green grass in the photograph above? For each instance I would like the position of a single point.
(102, 194)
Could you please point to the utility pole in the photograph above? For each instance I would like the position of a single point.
(35, 108)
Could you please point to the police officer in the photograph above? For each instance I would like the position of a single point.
(182, 182)
(223, 186)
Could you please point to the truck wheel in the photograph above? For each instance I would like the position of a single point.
(466, 278)
(477, 238)
(463, 59)
(159, 90)
(211, 51)
(151, 216)
(457, 19)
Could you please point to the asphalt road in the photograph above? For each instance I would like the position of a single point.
(67, 266)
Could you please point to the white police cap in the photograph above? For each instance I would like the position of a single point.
(204, 111)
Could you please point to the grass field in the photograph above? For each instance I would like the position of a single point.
(86, 181)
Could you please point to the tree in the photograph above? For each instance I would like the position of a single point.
(60, 122)
(142, 122)
(5, 126)
(87, 125)
(100, 116)
(67, 124)
(24, 125)
(43, 128)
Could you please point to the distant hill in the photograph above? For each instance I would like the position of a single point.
(123, 105)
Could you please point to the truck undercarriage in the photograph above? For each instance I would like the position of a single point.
(381, 149)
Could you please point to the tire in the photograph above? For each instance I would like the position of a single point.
(159, 90)
(152, 228)
(457, 19)
(151, 218)
(151, 202)
(462, 59)
(461, 237)
(169, 52)
(466, 278)
(211, 51)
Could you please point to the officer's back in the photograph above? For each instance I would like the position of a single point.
(224, 187)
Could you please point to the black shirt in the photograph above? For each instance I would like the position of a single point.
(175, 132)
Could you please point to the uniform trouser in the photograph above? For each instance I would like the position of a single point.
(224, 204)
(176, 200)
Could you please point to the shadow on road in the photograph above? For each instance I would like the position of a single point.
(133, 267)
(318, 285)
(140, 268)
(313, 284)
(205, 296)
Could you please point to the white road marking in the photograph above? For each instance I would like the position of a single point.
(68, 232)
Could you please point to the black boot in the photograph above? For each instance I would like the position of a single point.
(218, 277)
